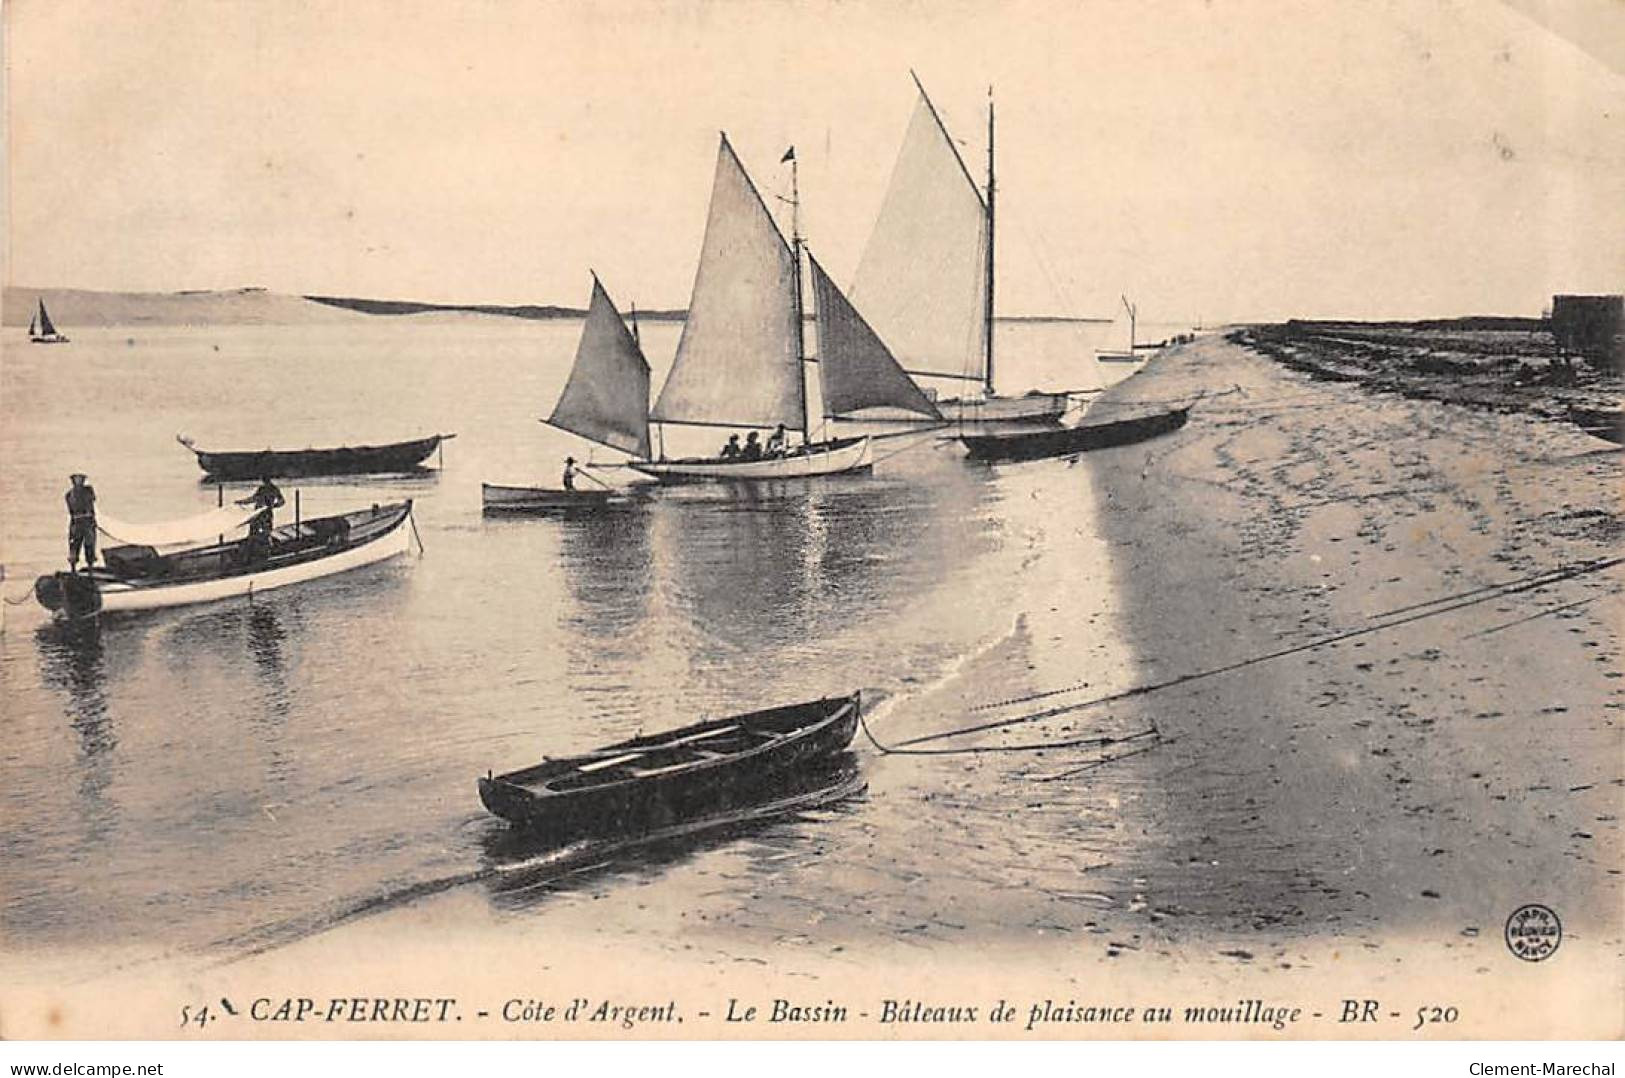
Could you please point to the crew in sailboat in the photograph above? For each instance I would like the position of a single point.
(730, 448)
(778, 442)
(81, 499)
(753, 447)
(569, 476)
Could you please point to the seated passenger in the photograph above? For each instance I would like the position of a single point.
(777, 443)
(753, 448)
(731, 450)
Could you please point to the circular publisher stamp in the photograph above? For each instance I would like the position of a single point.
(1533, 932)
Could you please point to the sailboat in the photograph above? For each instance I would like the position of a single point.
(605, 400)
(740, 358)
(925, 280)
(40, 329)
(1107, 355)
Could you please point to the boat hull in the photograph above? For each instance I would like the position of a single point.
(388, 536)
(551, 796)
(298, 463)
(1045, 408)
(497, 498)
(1605, 423)
(830, 458)
(1037, 445)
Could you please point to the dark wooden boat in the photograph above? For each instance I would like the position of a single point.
(677, 773)
(1037, 445)
(1605, 423)
(293, 463)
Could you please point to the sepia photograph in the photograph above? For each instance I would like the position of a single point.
(838, 520)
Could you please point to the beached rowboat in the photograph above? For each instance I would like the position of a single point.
(1036, 445)
(140, 578)
(341, 460)
(674, 773)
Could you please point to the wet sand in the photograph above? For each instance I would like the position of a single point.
(1349, 820)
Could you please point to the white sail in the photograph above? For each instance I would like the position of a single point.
(855, 368)
(922, 280)
(606, 397)
(738, 361)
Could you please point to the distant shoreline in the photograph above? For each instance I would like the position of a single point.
(86, 307)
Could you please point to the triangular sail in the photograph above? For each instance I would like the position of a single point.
(738, 361)
(922, 280)
(606, 397)
(33, 325)
(45, 327)
(854, 366)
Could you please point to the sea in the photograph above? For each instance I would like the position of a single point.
(223, 779)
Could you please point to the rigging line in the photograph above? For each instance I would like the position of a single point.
(1228, 668)
(1600, 563)
(924, 441)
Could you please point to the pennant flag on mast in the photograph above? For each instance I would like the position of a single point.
(789, 155)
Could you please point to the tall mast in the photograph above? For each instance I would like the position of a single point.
(987, 329)
(795, 250)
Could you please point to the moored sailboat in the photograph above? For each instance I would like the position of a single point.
(740, 358)
(926, 278)
(605, 400)
(41, 330)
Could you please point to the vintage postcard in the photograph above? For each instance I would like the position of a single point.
(829, 520)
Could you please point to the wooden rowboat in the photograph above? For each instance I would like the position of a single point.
(291, 463)
(140, 578)
(496, 498)
(1036, 445)
(676, 773)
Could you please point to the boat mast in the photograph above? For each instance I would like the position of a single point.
(795, 251)
(987, 314)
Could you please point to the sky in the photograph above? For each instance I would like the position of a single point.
(1223, 160)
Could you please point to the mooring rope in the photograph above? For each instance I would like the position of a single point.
(1470, 598)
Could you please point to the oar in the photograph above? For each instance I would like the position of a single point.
(595, 479)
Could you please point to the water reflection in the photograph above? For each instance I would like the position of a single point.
(522, 868)
(608, 568)
(785, 563)
(73, 661)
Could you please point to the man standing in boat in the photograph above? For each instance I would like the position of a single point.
(268, 499)
(569, 473)
(81, 499)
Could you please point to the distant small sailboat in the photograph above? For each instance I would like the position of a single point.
(1109, 355)
(926, 278)
(40, 329)
(740, 358)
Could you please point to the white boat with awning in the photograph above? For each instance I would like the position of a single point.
(141, 577)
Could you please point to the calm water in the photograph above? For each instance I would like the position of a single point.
(206, 774)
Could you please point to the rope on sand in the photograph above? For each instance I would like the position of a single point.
(1417, 613)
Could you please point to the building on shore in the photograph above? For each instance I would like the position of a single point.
(1590, 326)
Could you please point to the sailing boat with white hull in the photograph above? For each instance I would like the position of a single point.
(740, 359)
(925, 281)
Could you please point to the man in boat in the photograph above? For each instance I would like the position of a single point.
(778, 442)
(730, 451)
(753, 448)
(81, 499)
(569, 473)
(268, 499)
